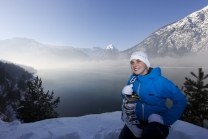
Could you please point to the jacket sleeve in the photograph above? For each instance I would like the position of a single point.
(179, 102)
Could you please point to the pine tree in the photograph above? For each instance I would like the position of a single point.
(197, 97)
(37, 105)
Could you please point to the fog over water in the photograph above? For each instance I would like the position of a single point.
(86, 88)
(85, 91)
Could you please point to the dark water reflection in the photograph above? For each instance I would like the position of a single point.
(93, 91)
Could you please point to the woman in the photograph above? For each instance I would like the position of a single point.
(148, 117)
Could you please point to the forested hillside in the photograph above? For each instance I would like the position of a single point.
(13, 80)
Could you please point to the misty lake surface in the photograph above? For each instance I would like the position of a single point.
(85, 91)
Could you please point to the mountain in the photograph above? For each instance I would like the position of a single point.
(111, 49)
(110, 52)
(31, 50)
(24, 49)
(188, 35)
(94, 52)
(100, 53)
(29, 69)
(13, 80)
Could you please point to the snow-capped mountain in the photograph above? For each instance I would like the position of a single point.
(188, 35)
(109, 52)
(111, 49)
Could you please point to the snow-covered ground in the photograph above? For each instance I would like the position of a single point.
(95, 126)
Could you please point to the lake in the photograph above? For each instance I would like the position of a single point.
(94, 90)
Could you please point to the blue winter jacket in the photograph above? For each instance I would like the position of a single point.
(153, 90)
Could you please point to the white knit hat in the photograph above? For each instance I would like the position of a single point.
(141, 56)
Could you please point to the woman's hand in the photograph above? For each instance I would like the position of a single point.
(127, 90)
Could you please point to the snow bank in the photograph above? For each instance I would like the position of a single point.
(95, 126)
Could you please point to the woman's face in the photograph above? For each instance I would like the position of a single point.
(138, 67)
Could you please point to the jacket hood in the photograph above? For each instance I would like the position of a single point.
(154, 72)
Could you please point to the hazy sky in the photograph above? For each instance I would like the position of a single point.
(88, 23)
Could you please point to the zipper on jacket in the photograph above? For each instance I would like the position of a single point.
(143, 111)
(138, 90)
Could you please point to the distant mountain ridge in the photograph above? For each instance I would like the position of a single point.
(34, 54)
(100, 53)
(31, 49)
